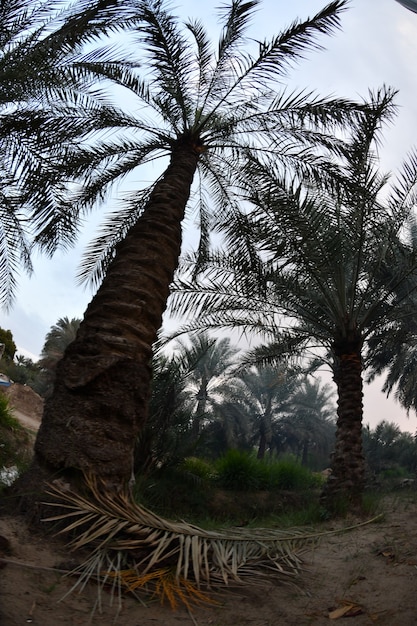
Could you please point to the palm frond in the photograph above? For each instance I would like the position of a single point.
(108, 522)
(133, 549)
(170, 59)
(100, 250)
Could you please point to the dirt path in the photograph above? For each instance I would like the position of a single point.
(372, 569)
(28, 421)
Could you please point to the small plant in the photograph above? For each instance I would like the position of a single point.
(7, 421)
(197, 467)
(286, 474)
(394, 472)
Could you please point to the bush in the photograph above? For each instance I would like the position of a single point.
(14, 444)
(243, 471)
(288, 475)
(239, 471)
(197, 468)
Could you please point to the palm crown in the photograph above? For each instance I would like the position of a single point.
(40, 93)
(323, 249)
(202, 111)
(223, 101)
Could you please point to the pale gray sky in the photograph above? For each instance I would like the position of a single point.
(377, 45)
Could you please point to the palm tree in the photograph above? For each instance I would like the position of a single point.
(309, 423)
(268, 391)
(40, 97)
(57, 339)
(394, 354)
(333, 268)
(166, 436)
(201, 110)
(207, 360)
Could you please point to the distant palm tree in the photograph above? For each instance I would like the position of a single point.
(310, 419)
(40, 98)
(335, 262)
(166, 437)
(268, 392)
(207, 360)
(393, 353)
(201, 109)
(57, 340)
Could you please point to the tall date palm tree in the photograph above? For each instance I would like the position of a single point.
(199, 108)
(336, 265)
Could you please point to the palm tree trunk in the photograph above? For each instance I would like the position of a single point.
(200, 410)
(346, 483)
(265, 430)
(100, 398)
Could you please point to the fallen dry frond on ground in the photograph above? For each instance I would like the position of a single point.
(133, 548)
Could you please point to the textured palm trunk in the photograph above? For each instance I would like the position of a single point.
(200, 410)
(100, 398)
(265, 431)
(346, 483)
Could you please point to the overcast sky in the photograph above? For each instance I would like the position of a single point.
(377, 45)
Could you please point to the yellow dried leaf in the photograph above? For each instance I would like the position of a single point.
(347, 610)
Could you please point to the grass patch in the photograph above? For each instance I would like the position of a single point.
(237, 490)
(15, 447)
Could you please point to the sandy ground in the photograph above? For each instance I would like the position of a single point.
(363, 576)
(372, 571)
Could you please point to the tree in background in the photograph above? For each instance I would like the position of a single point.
(207, 360)
(201, 109)
(309, 423)
(267, 393)
(390, 452)
(6, 338)
(57, 340)
(320, 277)
(166, 436)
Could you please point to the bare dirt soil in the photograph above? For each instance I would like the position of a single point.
(26, 405)
(363, 576)
(368, 574)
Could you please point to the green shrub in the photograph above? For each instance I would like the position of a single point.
(197, 467)
(243, 471)
(239, 471)
(15, 447)
(289, 475)
(394, 472)
(178, 490)
(7, 421)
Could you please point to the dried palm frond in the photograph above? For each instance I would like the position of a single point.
(133, 548)
(115, 522)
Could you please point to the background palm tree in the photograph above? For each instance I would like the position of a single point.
(202, 110)
(395, 352)
(268, 391)
(309, 424)
(40, 97)
(207, 360)
(57, 340)
(166, 436)
(321, 277)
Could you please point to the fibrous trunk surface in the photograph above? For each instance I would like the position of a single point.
(100, 398)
